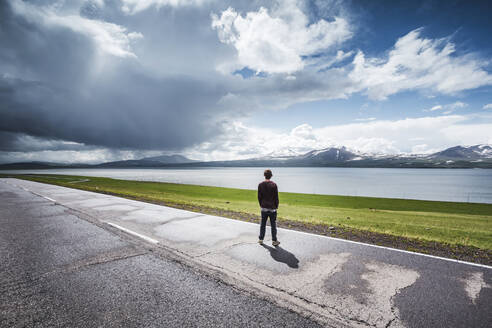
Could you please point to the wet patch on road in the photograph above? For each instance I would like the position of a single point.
(7, 194)
(349, 281)
(443, 300)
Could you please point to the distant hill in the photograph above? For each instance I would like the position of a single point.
(169, 159)
(155, 161)
(478, 156)
(30, 166)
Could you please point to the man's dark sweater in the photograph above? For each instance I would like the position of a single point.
(268, 195)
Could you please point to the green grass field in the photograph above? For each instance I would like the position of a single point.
(465, 224)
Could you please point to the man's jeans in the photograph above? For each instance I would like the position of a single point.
(273, 223)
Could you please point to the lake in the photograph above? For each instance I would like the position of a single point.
(460, 185)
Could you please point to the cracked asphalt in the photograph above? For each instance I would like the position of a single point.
(63, 257)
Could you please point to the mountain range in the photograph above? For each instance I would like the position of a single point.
(149, 161)
(478, 156)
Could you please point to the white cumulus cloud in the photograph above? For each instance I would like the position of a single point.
(458, 104)
(438, 107)
(274, 41)
(417, 63)
(488, 106)
(448, 107)
(365, 119)
(411, 135)
(135, 6)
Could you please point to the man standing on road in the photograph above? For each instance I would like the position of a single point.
(268, 199)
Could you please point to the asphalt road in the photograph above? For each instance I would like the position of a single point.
(65, 249)
(58, 270)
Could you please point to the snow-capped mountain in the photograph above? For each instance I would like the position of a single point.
(282, 154)
(330, 154)
(459, 156)
(477, 152)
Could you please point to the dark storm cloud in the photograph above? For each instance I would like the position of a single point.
(138, 112)
(55, 56)
(53, 85)
(17, 142)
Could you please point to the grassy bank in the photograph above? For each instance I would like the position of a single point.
(452, 223)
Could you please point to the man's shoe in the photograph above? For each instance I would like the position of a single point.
(260, 241)
(276, 243)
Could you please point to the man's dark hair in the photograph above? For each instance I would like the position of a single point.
(268, 174)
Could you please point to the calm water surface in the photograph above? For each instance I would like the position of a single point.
(461, 185)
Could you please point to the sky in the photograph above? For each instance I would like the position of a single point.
(92, 81)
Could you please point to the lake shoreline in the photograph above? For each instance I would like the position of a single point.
(457, 185)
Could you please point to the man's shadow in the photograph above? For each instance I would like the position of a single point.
(281, 255)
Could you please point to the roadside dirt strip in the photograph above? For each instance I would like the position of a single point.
(336, 282)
